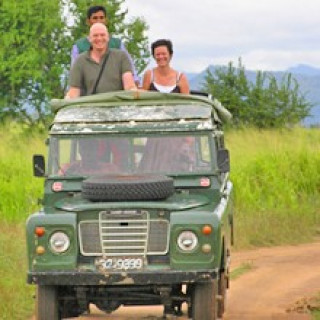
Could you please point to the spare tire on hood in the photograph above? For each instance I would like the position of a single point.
(127, 187)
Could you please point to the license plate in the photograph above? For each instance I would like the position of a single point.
(120, 263)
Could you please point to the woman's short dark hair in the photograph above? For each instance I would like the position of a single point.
(95, 9)
(162, 42)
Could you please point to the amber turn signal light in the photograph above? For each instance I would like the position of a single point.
(40, 250)
(206, 229)
(39, 231)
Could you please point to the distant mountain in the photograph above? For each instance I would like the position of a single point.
(304, 69)
(190, 75)
(307, 76)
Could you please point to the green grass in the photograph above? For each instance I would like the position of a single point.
(276, 176)
(315, 310)
(20, 191)
(238, 272)
(16, 296)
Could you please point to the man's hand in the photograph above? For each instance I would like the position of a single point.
(128, 81)
(73, 92)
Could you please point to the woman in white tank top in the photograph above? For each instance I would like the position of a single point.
(163, 78)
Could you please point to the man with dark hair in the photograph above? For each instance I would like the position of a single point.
(99, 14)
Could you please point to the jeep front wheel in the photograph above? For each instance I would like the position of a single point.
(204, 301)
(222, 294)
(47, 307)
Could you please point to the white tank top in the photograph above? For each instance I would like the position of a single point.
(162, 88)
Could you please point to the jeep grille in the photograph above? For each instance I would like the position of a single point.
(124, 233)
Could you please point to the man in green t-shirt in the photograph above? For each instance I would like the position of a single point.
(115, 75)
(99, 14)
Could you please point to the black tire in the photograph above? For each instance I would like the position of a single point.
(204, 301)
(223, 283)
(47, 303)
(222, 291)
(127, 187)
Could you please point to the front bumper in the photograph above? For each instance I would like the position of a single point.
(120, 278)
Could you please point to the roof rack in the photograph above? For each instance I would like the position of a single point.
(136, 98)
(201, 93)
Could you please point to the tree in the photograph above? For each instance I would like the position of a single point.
(230, 86)
(35, 51)
(264, 102)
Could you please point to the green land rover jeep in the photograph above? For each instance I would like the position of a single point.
(137, 206)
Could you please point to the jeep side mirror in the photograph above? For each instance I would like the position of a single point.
(223, 160)
(38, 165)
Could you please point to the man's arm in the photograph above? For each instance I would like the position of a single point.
(128, 81)
(74, 81)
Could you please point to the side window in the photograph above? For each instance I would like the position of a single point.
(222, 155)
(202, 152)
(219, 142)
(54, 156)
(204, 149)
(62, 152)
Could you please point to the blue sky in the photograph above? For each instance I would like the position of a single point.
(266, 34)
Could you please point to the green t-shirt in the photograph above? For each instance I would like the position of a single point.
(85, 71)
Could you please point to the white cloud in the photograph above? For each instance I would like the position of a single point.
(266, 34)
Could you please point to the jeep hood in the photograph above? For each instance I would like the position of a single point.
(177, 202)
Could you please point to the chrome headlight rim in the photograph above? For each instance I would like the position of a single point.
(187, 241)
(59, 242)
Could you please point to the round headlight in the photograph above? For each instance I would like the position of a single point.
(187, 241)
(59, 242)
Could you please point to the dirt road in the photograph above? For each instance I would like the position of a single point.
(279, 278)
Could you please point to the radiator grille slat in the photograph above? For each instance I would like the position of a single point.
(123, 241)
(124, 235)
(123, 224)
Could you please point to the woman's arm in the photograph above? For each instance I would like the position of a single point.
(146, 80)
(184, 84)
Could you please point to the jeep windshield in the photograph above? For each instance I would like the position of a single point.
(91, 155)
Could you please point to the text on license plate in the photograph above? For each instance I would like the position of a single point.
(121, 263)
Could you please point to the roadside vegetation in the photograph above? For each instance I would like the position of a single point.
(262, 101)
(19, 192)
(316, 309)
(276, 176)
(238, 272)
